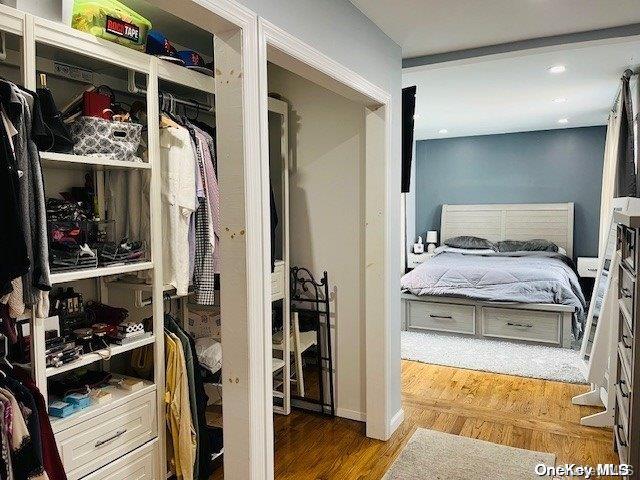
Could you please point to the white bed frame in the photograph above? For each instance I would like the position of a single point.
(547, 324)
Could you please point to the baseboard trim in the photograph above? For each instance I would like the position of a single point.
(351, 414)
(396, 421)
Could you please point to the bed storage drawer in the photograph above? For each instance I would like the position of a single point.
(442, 317)
(277, 281)
(92, 444)
(531, 325)
(139, 465)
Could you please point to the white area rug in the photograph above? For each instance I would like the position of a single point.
(432, 455)
(549, 363)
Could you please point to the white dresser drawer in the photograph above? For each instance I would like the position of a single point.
(442, 317)
(137, 465)
(529, 325)
(277, 281)
(90, 445)
(588, 267)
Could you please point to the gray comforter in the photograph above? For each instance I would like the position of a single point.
(523, 277)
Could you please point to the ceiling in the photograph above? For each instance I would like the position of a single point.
(425, 27)
(515, 93)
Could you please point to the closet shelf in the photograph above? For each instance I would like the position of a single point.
(185, 77)
(89, 358)
(82, 162)
(118, 397)
(73, 275)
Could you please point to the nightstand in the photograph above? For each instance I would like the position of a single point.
(587, 267)
(587, 271)
(415, 259)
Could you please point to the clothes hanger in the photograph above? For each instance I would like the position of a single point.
(167, 120)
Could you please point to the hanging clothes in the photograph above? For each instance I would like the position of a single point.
(208, 439)
(172, 327)
(178, 203)
(50, 456)
(24, 209)
(207, 220)
(14, 260)
(181, 438)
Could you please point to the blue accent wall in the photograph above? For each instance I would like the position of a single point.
(550, 166)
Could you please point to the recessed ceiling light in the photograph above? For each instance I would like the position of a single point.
(556, 69)
(563, 120)
(559, 100)
(416, 116)
(443, 130)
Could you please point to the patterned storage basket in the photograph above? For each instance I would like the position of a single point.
(93, 135)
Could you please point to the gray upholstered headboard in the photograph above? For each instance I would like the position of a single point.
(526, 221)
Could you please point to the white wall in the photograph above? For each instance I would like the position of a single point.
(326, 191)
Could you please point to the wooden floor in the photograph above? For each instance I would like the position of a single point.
(520, 412)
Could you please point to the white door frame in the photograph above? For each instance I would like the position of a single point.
(247, 418)
(276, 45)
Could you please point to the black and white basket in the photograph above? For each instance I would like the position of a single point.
(96, 136)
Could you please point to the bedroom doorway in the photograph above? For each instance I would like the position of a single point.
(507, 207)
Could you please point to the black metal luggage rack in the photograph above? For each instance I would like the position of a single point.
(312, 298)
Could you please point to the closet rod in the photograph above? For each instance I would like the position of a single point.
(134, 89)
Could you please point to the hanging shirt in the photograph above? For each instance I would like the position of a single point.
(14, 255)
(177, 160)
(181, 448)
(213, 196)
(204, 273)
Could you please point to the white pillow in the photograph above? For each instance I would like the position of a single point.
(466, 251)
(209, 353)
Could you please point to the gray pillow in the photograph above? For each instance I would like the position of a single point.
(471, 243)
(535, 245)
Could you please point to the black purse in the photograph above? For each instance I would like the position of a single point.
(59, 139)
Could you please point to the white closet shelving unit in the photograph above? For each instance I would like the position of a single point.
(128, 431)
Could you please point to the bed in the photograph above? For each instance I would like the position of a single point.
(521, 296)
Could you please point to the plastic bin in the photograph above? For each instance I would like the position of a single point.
(108, 19)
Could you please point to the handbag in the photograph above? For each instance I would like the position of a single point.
(60, 138)
(96, 136)
(98, 102)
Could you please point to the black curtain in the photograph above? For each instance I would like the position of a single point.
(408, 111)
(627, 182)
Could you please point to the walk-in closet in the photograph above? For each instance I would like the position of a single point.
(118, 313)
(326, 134)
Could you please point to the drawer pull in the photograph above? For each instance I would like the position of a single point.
(521, 325)
(622, 442)
(442, 317)
(100, 443)
(626, 293)
(622, 392)
(624, 344)
(592, 269)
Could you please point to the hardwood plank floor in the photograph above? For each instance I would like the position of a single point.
(520, 412)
